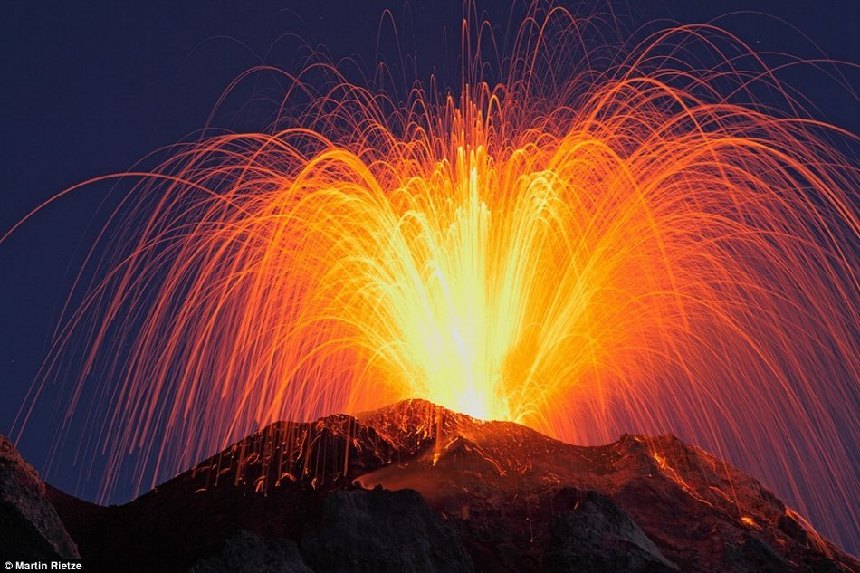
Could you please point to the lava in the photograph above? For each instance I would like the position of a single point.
(590, 248)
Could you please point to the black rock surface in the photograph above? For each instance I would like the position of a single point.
(596, 535)
(380, 531)
(416, 487)
(246, 552)
(29, 525)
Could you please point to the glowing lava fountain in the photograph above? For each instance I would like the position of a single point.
(589, 247)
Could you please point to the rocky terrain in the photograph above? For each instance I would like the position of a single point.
(414, 487)
(29, 524)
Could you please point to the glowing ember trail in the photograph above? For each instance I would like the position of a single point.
(590, 247)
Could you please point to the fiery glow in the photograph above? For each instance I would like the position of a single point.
(584, 248)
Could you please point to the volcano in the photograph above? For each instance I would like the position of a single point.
(416, 487)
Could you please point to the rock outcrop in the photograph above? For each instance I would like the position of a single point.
(246, 552)
(29, 525)
(380, 531)
(415, 487)
(594, 534)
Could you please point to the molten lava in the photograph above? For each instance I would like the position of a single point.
(636, 247)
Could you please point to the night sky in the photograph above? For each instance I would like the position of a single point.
(89, 88)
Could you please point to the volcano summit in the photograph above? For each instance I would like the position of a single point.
(416, 487)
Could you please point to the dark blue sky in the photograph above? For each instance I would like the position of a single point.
(89, 88)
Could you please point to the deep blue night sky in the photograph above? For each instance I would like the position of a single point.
(89, 88)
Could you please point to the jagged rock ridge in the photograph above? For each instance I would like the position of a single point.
(494, 496)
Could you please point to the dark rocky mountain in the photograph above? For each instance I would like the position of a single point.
(29, 524)
(414, 487)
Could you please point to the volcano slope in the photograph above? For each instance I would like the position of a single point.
(339, 494)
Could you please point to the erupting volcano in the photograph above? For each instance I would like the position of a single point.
(609, 239)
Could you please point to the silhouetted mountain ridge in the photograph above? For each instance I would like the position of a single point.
(338, 495)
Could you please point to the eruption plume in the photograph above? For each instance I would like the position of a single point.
(604, 241)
